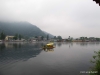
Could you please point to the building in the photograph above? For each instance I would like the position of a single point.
(45, 39)
(9, 38)
(39, 38)
(33, 39)
(92, 39)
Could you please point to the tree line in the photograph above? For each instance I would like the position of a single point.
(16, 36)
(19, 36)
(2, 36)
(59, 38)
(42, 37)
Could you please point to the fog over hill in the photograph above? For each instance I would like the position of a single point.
(24, 28)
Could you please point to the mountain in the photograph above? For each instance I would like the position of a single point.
(50, 35)
(24, 28)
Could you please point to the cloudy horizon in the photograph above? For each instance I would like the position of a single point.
(58, 17)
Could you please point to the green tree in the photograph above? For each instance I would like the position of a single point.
(69, 37)
(20, 37)
(36, 36)
(42, 37)
(54, 37)
(86, 38)
(59, 38)
(97, 39)
(82, 38)
(2, 36)
(48, 37)
(15, 37)
(96, 61)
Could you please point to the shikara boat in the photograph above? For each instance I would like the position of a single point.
(49, 46)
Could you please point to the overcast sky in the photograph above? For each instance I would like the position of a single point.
(73, 18)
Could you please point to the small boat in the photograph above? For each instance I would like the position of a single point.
(48, 46)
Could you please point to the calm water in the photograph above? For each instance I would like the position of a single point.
(30, 59)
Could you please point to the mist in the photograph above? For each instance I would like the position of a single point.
(59, 17)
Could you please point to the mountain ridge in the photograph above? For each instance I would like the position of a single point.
(24, 28)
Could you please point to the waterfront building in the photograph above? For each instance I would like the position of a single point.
(9, 38)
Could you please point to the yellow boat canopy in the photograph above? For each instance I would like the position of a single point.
(50, 44)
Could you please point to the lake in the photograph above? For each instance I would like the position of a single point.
(29, 59)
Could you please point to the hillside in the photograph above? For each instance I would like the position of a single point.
(51, 36)
(24, 28)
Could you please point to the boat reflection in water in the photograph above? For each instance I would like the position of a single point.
(48, 49)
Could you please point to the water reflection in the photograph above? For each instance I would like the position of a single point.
(2, 46)
(19, 45)
(29, 59)
(70, 44)
(87, 43)
(48, 50)
(19, 51)
(82, 43)
(59, 44)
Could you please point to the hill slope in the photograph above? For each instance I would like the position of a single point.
(50, 35)
(24, 28)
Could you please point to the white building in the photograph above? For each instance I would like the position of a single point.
(9, 38)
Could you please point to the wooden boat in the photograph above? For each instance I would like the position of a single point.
(48, 46)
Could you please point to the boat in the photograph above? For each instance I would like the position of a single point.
(49, 46)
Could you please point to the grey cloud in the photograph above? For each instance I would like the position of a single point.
(58, 17)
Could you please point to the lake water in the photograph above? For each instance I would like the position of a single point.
(30, 59)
